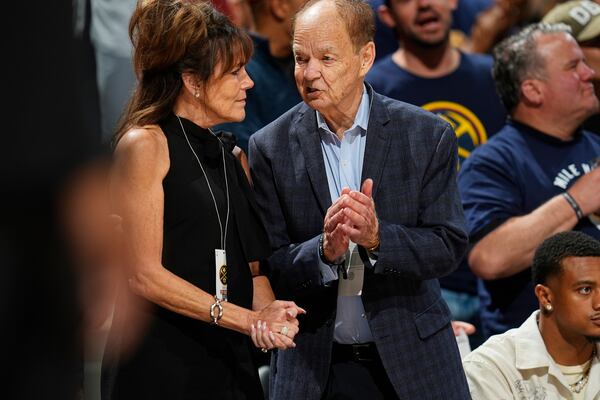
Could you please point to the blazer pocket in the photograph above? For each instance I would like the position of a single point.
(432, 319)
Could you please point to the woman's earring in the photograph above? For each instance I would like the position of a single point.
(548, 308)
(196, 94)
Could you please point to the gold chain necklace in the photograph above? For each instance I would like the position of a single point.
(580, 384)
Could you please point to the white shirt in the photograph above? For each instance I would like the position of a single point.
(516, 365)
(343, 165)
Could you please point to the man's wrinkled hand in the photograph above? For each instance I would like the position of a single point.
(361, 224)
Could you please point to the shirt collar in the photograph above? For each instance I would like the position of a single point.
(531, 352)
(529, 347)
(544, 137)
(362, 115)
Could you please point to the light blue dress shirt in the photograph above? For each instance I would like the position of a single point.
(343, 164)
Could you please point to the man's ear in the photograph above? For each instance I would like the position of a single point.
(532, 91)
(385, 15)
(367, 58)
(544, 295)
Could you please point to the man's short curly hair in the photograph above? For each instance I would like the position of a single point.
(548, 257)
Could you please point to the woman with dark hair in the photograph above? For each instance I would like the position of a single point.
(191, 226)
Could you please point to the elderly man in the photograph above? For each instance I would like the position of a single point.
(359, 198)
(554, 354)
(534, 178)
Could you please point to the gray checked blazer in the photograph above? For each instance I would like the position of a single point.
(411, 155)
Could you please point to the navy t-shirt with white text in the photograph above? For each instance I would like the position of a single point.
(517, 171)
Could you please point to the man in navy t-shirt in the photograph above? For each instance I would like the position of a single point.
(534, 178)
(428, 72)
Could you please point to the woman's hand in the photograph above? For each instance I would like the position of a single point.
(276, 325)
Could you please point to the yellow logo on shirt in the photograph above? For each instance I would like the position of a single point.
(469, 130)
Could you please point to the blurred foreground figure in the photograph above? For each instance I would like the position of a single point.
(43, 147)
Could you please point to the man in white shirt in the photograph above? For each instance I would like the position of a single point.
(554, 354)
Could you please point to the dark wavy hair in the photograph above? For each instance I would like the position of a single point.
(171, 37)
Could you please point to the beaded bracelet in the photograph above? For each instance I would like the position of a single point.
(573, 205)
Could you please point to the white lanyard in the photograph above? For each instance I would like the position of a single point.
(221, 271)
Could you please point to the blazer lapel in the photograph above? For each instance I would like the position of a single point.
(305, 130)
(378, 141)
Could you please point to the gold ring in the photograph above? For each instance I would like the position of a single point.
(284, 331)
(264, 350)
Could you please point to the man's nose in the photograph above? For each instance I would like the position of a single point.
(596, 300)
(312, 70)
(586, 73)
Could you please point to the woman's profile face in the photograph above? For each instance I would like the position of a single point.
(224, 97)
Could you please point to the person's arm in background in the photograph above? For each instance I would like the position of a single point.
(508, 247)
(491, 25)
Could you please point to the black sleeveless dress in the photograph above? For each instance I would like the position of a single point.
(179, 357)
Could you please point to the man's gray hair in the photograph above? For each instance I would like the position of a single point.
(357, 15)
(516, 59)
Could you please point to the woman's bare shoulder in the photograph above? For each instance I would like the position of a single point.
(145, 147)
(149, 137)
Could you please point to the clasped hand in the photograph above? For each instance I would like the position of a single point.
(276, 325)
(351, 217)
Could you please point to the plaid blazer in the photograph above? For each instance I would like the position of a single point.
(411, 155)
